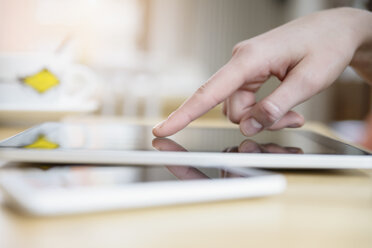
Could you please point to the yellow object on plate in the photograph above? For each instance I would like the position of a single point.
(41, 81)
(42, 142)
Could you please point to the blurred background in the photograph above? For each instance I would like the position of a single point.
(149, 55)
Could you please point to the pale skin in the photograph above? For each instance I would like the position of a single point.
(307, 55)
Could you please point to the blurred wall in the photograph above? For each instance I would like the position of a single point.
(207, 30)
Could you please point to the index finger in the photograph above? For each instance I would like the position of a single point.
(221, 85)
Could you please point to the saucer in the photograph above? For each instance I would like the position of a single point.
(21, 114)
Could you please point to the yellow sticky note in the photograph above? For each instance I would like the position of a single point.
(42, 143)
(41, 81)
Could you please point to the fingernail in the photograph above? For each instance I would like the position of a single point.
(159, 125)
(250, 127)
(295, 125)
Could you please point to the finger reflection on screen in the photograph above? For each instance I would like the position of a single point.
(247, 146)
(181, 172)
(228, 174)
(250, 146)
(165, 144)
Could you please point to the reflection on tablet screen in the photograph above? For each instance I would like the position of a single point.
(84, 176)
(192, 139)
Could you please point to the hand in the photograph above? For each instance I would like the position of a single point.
(307, 55)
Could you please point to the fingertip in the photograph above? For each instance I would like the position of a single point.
(157, 133)
(301, 120)
(157, 130)
(250, 127)
(294, 125)
(298, 122)
(154, 132)
(290, 120)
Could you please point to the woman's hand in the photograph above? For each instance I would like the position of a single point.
(307, 55)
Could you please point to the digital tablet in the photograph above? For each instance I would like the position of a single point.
(57, 190)
(115, 143)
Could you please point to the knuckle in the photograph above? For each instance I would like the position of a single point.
(203, 89)
(246, 48)
(250, 55)
(202, 92)
(236, 49)
(238, 46)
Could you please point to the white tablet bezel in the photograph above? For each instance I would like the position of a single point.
(50, 202)
(207, 159)
(264, 160)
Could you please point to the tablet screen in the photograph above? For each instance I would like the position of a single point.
(45, 190)
(100, 136)
(72, 176)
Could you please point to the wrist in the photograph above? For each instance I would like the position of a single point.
(362, 26)
(362, 59)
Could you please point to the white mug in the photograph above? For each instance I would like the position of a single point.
(44, 79)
